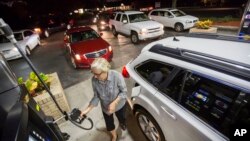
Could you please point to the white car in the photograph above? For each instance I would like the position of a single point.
(27, 40)
(192, 88)
(135, 24)
(173, 18)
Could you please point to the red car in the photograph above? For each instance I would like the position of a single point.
(84, 45)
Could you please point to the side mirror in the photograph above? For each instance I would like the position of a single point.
(101, 34)
(124, 21)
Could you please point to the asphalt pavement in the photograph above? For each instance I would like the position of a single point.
(79, 96)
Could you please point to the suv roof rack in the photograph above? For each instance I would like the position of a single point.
(227, 66)
(218, 37)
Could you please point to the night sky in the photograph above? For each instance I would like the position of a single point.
(17, 11)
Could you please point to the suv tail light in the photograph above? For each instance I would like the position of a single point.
(125, 72)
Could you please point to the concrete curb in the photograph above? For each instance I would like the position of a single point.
(227, 28)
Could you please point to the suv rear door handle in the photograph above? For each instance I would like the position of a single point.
(170, 114)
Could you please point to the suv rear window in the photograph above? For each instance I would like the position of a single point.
(154, 72)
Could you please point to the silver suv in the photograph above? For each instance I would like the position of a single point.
(192, 88)
(173, 18)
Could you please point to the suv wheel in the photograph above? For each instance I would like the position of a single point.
(27, 50)
(46, 33)
(114, 31)
(134, 38)
(178, 27)
(148, 126)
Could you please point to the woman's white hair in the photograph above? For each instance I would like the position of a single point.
(101, 64)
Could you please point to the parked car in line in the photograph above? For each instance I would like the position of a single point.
(173, 18)
(102, 21)
(27, 39)
(83, 44)
(80, 19)
(135, 24)
(47, 26)
(192, 88)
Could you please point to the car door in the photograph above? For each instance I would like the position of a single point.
(125, 25)
(155, 73)
(195, 107)
(154, 15)
(30, 39)
(170, 19)
(118, 22)
(162, 17)
(166, 18)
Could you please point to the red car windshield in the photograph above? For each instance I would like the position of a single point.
(83, 36)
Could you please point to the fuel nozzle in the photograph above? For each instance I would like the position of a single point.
(75, 116)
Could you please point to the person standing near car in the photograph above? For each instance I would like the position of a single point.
(110, 89)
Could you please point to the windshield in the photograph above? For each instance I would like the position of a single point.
(178, 13)
(83, 36)
(138, 18)
(18, 36)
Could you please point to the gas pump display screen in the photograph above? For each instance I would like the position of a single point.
(201, 95)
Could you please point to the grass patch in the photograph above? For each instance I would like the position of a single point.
(222, 19)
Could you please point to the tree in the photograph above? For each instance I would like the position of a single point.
(174, 3)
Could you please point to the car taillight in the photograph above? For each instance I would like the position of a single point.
(125, 72)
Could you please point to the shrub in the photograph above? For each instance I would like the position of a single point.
(204, 24)
(33, 84)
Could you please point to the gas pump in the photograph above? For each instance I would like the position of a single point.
(21, 118)
(244, 29)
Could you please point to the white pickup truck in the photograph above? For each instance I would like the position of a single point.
(135, 24)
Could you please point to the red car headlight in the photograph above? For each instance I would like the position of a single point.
(78, 57)
(102, 22)
(110, 48)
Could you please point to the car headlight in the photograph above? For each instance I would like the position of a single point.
(102, 22)
(110, 48)
(78, 57)
(162, 26)
(143, 31)
(188, 21)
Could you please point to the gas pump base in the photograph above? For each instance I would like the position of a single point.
(50, 121)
